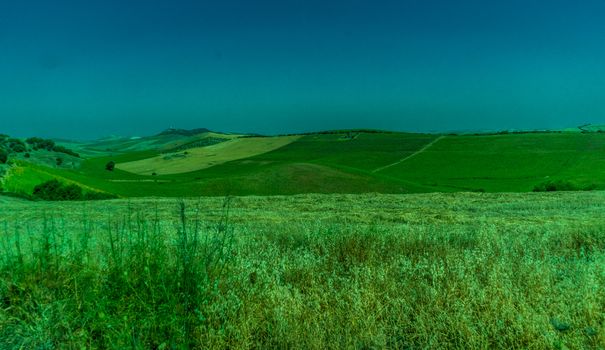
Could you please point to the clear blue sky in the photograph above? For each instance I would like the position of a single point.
(84, 69)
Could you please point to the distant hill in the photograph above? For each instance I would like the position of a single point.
(184, 132)
(165, 141)
(197, 162)
(37, 150)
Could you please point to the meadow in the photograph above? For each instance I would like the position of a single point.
(369, 271)
(333, 162)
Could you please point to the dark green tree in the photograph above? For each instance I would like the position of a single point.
(110, 166)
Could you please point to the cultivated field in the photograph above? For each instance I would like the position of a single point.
(428, 271)
(204, 157)
(175, 165)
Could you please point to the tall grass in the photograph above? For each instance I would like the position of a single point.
(140, 279)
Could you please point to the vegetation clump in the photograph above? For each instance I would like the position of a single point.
(54, 190)
(562, 185)
(38, 143)
(110, 166)
(16, 145)
(3, 156)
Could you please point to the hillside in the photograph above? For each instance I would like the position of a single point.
(166, 140)
(201, 162)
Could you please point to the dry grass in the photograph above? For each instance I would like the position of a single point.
(438, 271)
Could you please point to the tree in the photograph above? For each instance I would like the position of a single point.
(59, 161)
(16, 145)
(110, 166)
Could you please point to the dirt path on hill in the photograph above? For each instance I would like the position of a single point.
(410, 156)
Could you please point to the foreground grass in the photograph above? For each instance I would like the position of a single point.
(431, 271)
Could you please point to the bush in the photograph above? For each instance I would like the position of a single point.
(39, 143)
(54, 190)
(562, 185)
(16, 145)
(3, 156)
(62, 149)
(70, 193)
(59, 161)
(48, 190)
(110, 166)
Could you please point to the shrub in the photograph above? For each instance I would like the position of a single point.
(59, 161)
(39, 143)
(110, 166)
(62, 149)
(3, 156)
(70, 193)
(562, 185)
(48, 190)
(16, 145)
(54, 190)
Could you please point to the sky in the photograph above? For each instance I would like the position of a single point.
(86, 69)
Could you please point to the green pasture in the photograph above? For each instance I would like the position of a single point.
(349, 162)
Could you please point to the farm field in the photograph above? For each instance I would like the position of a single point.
(204, 157)
(512, 163)
(338, 162)
(459, 270)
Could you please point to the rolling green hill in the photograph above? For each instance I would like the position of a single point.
(201, 162)
(514, 162)
(197, 158)
(167, 140)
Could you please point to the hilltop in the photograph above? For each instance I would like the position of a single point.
(183, 132)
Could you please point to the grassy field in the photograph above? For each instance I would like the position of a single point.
(427, 271)
(121, 145)
(344, 162)
(512, 163)
(205, 157)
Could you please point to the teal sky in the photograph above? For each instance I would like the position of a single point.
(84, 69)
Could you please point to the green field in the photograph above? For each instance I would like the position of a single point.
(506, 162)
(339, 162)
(205, 157)
(350, 239)
(427, 271)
